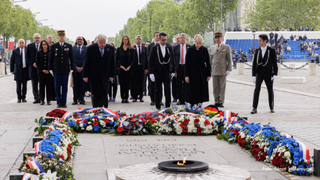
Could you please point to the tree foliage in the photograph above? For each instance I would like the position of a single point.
(283, 13)
(192, 17)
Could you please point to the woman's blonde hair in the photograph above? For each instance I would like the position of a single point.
(129, 42)
(198, 38)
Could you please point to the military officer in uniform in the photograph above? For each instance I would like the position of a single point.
(220, 59)
(264, 68)
(61, 62)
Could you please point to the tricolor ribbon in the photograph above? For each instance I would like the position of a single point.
(66, 116)
(34, 164)
(79, 109)
(53, 127)
(110, 112)
(28, 176)
(37, 147)
(287, 135)
(304, 152)
(186, 113)
(227, 115)
(165, 120)
(121, 122)
(46, 133)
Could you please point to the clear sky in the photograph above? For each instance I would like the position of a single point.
(86, 18)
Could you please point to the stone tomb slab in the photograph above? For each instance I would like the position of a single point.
(100, 156)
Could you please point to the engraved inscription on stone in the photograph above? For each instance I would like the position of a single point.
(156, 151)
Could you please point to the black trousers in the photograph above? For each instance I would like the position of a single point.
(180, 84)
(145, 77)
(22, 85)
(267, 79)
(125, 83)
(78, 86)
(174, 88)
(162, 78)
(35, 87)
(99, 100)
(45, 86)
(113, 88)
(137, 86)
(151, 89)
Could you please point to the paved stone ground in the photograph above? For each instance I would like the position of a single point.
(297, 113)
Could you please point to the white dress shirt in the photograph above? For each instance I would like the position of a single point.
(61, 44)
(218, 46)
(23, 55)
(37, 46)
(263, 49)
(163, 50)
(184, 53)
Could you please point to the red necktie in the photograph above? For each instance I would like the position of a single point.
(182, 56)
(218, 45)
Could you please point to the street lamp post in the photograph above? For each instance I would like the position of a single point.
(254, 39)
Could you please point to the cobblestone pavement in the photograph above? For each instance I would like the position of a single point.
(296, 114)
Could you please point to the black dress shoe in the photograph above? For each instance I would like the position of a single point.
(221, 105)
(272, 110)
(36, 101)
(123, 101)
(141, 100)
(19, 101)
(48, 103)
(74, 103)
(126, 101)
(58, 106)
(254, 111)
(24, 100)
(216, 104)
(152, 103)
(82, 102)
(41, 103)
(64, 106)
(134, 100)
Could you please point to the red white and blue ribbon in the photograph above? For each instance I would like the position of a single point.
(37, 147)
(187, 113)
(304, 152)
(227, 115)
(53, 127)
(34, 164)
(66, 116)
(286, 135)
(46, 133)
(79, 109)
(110, 112)
(165, 120)
(28, 176)
(121, 122)
(57, 120)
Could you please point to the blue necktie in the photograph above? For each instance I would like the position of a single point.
(102, 52)
(79, 50)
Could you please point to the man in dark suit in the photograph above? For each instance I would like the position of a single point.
(276, 36)
(61, 62)
(161, 69)
(264, 68)
(99, 69)
(179, 57)
(140, 68)
(32, 50)
(79, 51)
(19, 67)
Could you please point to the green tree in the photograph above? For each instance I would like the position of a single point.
(283, 13)
(209, 11)
(5, 14)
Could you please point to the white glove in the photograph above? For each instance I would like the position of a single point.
(172, 75)
(152, 77)
(273, 77)
(254, 79)
(228, 73)
(51, 72)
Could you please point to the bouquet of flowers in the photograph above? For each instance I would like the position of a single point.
(141, 124)
(58, 113)
(189, 124)
(94, 124)
(247, 133)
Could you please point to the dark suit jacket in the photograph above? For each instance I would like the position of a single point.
(99, 69)
(271, 67)
(143, 58)
(31, 58)
(42, 61)
(120, 57)
(176, 55)
(79, 58)
(16, 64)
(61, 58)
(155, 66)
(153, 44)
